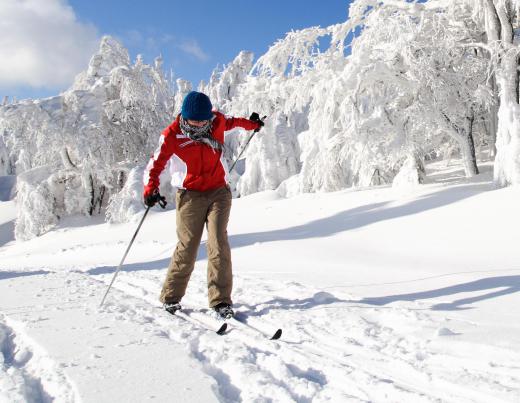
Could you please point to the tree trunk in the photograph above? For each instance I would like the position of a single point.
(500, 33)
(507, 161)
(464, 138)
(468, 150)
(92, 195)
(101, 197)
(493, 119)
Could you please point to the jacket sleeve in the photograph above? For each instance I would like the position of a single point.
(159, 159)
(232, 122)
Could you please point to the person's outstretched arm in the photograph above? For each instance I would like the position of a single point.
(232, 122)
(158, 162)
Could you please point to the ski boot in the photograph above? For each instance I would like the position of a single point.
(172, 307)
(224, 311)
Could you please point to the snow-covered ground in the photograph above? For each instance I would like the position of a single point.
(383, 295)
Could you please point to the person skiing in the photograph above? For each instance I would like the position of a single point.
(193, 144)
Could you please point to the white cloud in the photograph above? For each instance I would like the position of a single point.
(192, 47)
(153, 43)
(143, 43)
(42, 44)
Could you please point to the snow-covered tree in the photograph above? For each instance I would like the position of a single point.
(405, 91)
(183, 87)
(36, 201)
(224, 82)
(500, 22)
(450, 93)
(227, 87)
(86, 140)
(492, 27)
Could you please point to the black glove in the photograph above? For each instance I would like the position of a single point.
(154, 198)
(255, 117)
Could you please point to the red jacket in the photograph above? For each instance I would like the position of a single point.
(194, 165)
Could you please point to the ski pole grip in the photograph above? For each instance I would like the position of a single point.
(261, 120)
(162, 202)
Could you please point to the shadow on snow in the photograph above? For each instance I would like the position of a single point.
(343, 221)
(360, 217)
(318, 299)
(4, 275)
(503, 285)
(6, 232)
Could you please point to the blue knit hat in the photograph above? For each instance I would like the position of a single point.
(196, 106)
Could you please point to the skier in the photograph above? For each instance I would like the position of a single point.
(194, 142)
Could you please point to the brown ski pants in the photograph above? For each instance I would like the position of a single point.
(194, 210)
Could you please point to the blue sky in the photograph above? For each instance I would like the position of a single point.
(192, 36)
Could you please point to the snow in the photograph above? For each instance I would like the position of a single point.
(383, 296)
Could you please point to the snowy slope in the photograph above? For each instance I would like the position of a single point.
(384, 296)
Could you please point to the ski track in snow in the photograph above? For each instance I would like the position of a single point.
(332, 348)
(352, 352)
(28, 373)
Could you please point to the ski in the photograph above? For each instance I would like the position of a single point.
(220, 330)
(276, 335)
(238, 322)
(222, 324)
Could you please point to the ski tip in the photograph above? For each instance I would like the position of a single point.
(277, 335)
(222, 329)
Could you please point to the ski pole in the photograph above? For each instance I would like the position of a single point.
(162, 203)
(247, 143)
(124, 257)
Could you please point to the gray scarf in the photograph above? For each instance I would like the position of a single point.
(201, 134)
